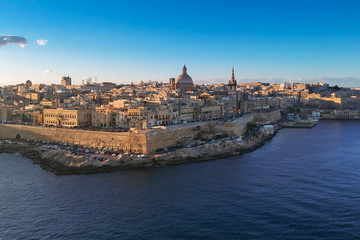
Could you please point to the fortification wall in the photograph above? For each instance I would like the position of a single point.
(235, 128)
(239, 126)
(170, 135)
(122, 140)
(268, 117)
(135, 141)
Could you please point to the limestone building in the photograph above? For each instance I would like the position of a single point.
(186, 114)
(66, 81)
(103, 118)
(6, 113)
(172, 84)
(67, 117)
(207, 113)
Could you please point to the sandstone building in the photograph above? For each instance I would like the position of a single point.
(66, 81)
(67, 117)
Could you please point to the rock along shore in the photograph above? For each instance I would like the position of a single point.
(63, 162)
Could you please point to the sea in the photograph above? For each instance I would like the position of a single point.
(302, 184)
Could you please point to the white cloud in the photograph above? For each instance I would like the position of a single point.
(9, 39)
(41, 42)
(49, 72)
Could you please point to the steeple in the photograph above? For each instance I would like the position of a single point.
(232, 82)
(184, 69)
(232, 79)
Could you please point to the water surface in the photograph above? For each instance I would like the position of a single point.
(304, 184)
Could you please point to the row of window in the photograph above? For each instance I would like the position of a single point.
(69, 123)
(88, 115)
(66, 123)
(59, 115)
(50, 122)
(211, 112)
(63, 123)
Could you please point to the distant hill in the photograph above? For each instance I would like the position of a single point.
(332, 81)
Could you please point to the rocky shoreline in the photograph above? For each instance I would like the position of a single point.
(63, 162)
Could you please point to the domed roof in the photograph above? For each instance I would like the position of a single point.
(28, 83)
(184, 78)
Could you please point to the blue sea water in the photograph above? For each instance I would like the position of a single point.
(303, 184)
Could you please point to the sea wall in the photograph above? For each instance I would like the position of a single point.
(134, 141)
(170, 135)
(268, 117)
(235, 128)
(64, 162)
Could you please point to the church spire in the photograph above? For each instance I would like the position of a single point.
(184, 69)
(232, 75)
(232, 82)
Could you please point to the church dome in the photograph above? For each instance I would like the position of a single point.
(28, 83)
(184, 79)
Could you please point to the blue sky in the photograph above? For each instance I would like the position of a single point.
(124, 41)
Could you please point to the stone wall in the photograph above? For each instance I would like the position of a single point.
(235, 128)
(268, 117)
(136, 141)
(169, 136)
(239, 126)
(122, 140)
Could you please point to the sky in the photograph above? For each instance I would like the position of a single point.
(130, 41)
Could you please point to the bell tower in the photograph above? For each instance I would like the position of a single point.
(232, 93)
(232, 82)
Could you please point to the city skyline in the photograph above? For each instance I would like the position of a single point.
(129, 42)
(134, 119)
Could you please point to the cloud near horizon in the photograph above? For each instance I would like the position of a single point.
(49, 72)
(10, 39)
(42, 42)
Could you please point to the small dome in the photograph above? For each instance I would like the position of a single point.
(28, 83)
(184, 78)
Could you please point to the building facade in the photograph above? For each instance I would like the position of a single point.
(67, 117)
(66, 81)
